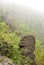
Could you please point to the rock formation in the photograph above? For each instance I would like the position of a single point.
(28, 45)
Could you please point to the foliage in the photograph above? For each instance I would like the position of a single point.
(39, 48)
(39, 53)
(9, 43)
(26, 60)
(9, 46)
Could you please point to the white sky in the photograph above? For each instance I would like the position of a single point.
(37, 5)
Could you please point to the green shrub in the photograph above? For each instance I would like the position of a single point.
(9, 43)
(39, 53)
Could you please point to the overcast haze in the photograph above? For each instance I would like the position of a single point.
(37, 5)
(29, 12)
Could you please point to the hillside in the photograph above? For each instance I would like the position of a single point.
(24, 19)
(9, 43)
(12, 40)
(15, 23)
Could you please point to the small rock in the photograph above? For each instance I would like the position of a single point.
(5, 61)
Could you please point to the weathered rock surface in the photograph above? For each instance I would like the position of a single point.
(28, 45)
(5, 61)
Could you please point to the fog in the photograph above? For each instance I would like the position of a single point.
(29, 12)
(37, 5)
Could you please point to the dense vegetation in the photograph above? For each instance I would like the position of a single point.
(39, 53)
(9, 43)
(9, 46)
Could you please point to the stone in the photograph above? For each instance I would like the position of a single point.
(5, 61)
(28, 45)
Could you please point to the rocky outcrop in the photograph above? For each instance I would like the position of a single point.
(5, 61)
(28, 45)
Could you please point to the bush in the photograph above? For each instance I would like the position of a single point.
(39, 53)
(9, 43)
